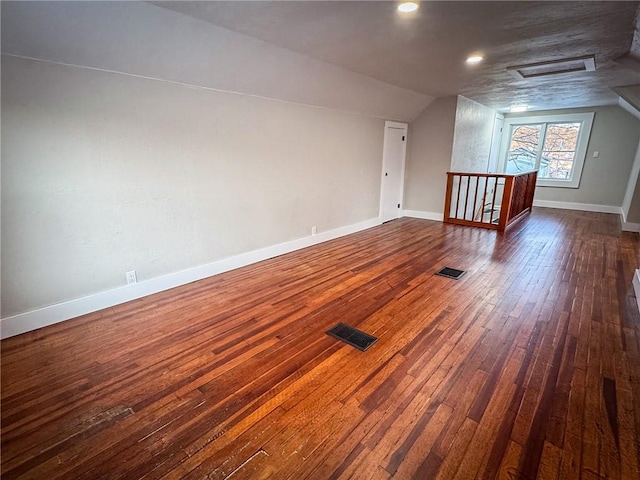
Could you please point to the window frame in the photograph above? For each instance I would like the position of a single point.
(586, 120)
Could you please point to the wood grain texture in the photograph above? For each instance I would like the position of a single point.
(515, 202)
(527, 367)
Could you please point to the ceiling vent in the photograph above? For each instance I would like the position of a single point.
(555, 67)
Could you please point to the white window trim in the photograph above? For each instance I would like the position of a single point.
(581, 151)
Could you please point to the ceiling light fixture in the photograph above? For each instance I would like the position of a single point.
(474, 59)
(407, 7)
(518, 108)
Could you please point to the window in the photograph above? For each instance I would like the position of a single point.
(554, 145)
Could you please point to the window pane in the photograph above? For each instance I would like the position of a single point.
(555, 145)
(523, 148)
(562, 137)
(556, 165)
(559, 150)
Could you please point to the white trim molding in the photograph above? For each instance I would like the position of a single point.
(584, 207)
(438, 217)
(385, 167)
(631, 184)
(628, 226)
(629, 107)
(586, 122)
(32, 320)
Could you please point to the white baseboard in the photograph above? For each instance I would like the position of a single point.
(636, 286)
(438, 217)
(25, 322)
(584, 207)
(628, 226)
(588, 207)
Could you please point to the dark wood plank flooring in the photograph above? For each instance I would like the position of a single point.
(527, 367)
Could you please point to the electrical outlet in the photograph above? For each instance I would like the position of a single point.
(314, 230)
(596, 154)
(131, 277)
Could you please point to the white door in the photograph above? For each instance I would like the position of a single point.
(498, 124)
(393, 156)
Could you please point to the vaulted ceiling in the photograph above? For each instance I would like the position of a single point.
(359, 56)
(425, 51)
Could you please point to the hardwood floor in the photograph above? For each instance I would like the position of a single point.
(527, 367)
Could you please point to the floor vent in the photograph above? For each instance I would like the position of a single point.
(450, 273)
(352, 336)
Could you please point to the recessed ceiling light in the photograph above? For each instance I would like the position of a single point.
(518, 108)
(474, 59)
(406, 7)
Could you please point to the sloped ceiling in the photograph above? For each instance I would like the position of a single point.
(630, 99)
(425, 52)
(358, 56)
(142, 39)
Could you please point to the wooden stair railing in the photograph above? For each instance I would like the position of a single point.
(488, 200)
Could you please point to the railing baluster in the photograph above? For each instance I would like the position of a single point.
(458, 199)
(475, 199)
(493, 200)
(466, 198)
(484, 199)
(517, 198)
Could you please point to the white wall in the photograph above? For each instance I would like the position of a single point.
(631, 200)
(632, 215)
(104, 173)
(472, 137)
(139, 38)
(472, 141)
(615, 134)
(429, 157)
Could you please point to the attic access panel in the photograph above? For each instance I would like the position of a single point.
(354, 337)
(554, 67)
(450, 273)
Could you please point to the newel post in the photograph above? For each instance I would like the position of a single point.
(447, 197)
(505, 208)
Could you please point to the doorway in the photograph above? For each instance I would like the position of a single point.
(393, 159)
(496, 140)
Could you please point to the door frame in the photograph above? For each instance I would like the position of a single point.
(496, 142)
(398, 126)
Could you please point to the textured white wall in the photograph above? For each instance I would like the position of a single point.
(104, 173)
(615, 134)
(429, 156)
(472, 137)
